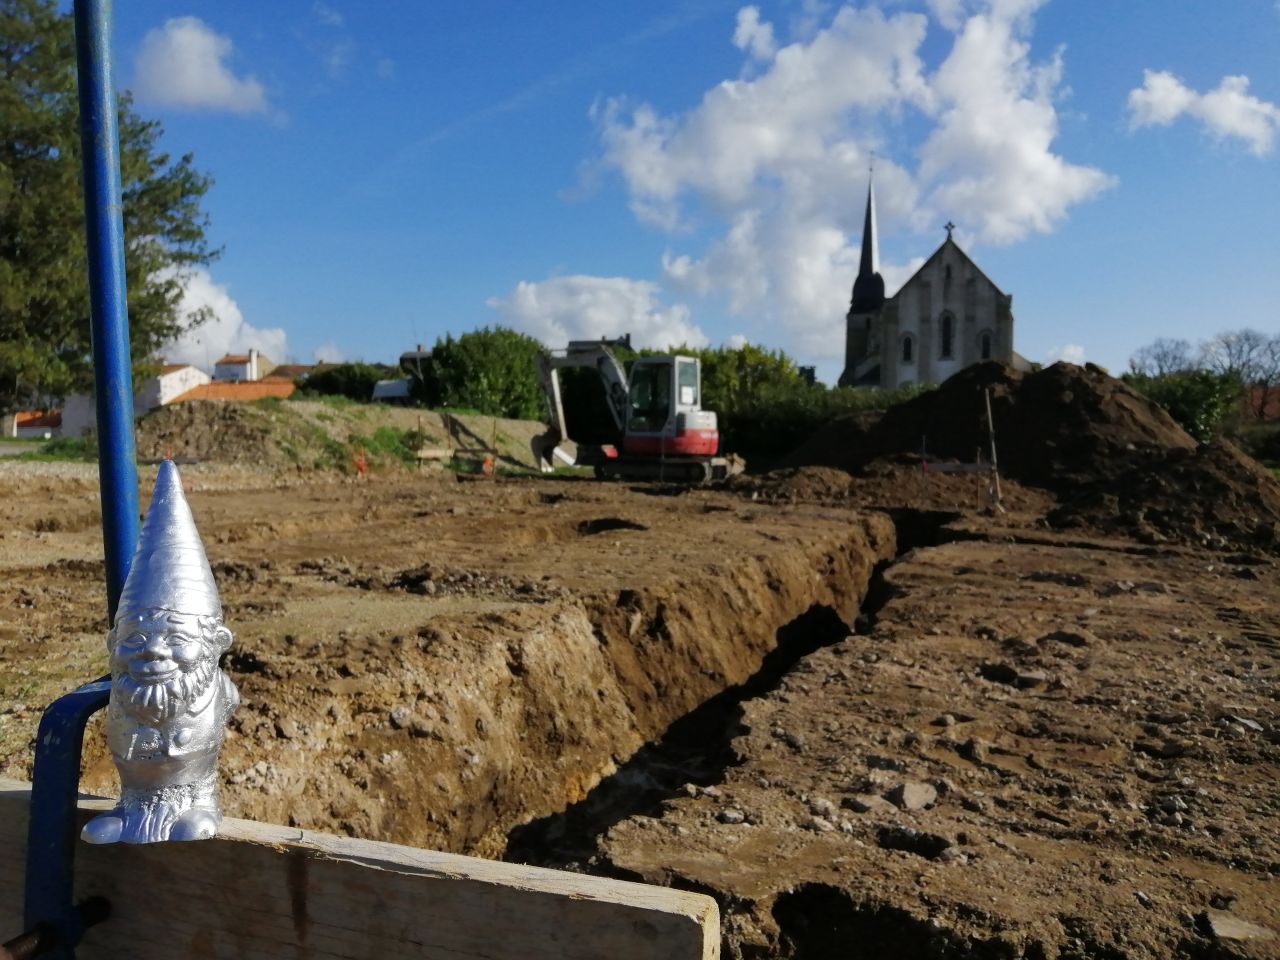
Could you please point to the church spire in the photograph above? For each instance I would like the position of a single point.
(870, 249)
(868, 289)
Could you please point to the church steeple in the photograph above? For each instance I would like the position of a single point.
(868, 289)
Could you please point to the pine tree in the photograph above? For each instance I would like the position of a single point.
(45, 349)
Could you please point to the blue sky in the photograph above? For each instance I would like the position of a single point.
(389, 172)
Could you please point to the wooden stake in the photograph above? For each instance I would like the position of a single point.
(995, 465)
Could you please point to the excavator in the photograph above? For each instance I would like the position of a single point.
(662, 431)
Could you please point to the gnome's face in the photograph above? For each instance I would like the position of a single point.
(163, 662)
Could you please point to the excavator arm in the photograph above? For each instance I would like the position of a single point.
(594, 354)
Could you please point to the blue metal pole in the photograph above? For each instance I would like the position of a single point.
(109, 316)
(53, 825)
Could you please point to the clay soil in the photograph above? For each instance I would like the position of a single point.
(869, 714)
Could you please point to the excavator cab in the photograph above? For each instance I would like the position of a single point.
(657, 410)
(664, 410)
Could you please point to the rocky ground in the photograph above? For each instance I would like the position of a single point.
(870, 712)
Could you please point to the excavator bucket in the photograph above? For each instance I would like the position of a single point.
(543, 447)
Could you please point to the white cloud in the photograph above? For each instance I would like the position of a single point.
(753, 35)
(183, 64)
(561, 309)
(226, 331)
(327, 15)
(988, 162)
(736, 342)
(949, 13)
(778, 161)
(1070, 352)
(336, 58)
(1227, 112)
(328, 352)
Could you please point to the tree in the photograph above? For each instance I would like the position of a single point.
(1251, 357)
(1200, 400)
(353, 380)
(489, 370)
(1163, 356)
(45, 350)
(1240, 353)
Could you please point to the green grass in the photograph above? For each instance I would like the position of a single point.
(388, 443)
(460, 411)
(75, 449)
(335, 400)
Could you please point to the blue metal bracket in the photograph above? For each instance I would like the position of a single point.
(53, 826)
(55, 924)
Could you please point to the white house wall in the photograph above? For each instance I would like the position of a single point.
(79, 413)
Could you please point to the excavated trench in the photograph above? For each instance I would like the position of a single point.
(695, 750)
(511, 730)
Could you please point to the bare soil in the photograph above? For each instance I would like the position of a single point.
(868, 712)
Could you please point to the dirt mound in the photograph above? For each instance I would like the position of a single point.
(1214, 495)
(325, 434)
(888, 484)
(792, 484)
(209, 430)
(1054, 428)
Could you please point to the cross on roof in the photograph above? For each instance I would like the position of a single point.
(950, 226)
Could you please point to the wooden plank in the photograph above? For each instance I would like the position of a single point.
(265, 891)
(434, 453)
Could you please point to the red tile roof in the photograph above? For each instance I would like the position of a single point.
(38, 418)
(173, 367)
(291, 370)
(238, 390)
(235, 358)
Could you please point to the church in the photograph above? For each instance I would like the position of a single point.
(948, 316)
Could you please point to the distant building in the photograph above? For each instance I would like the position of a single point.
(393, 391)
(32, 424)
(412, 362)
(948, 316)
(235, 390)
(241, 367)
(292, 371)
(79, 413)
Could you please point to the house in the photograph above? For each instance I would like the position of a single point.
(393, 391)
(33, 424)
(293, 371)
(79, 413)
(242, 367)
(948, 316)
(233, 390)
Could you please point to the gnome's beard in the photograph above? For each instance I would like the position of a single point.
(153, 702)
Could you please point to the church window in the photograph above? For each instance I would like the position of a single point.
(906, 350)
(948, 335)
(986, 346)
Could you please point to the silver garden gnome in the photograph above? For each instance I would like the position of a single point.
(169, 700)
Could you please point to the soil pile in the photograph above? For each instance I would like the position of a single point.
(325, 435)
(791, 484)
(209, 430)
(886, 484)
(1214, 495)
(1055, 428)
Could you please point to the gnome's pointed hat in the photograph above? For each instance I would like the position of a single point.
(169, 569)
